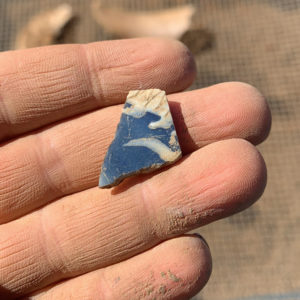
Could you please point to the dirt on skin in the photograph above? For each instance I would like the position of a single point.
(173, 277)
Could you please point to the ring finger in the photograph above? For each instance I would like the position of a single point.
(96, 228)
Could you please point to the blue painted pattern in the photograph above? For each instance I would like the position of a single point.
(143, 141)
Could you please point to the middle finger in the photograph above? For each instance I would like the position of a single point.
(66, 158)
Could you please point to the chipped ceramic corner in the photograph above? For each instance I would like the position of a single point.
(145, 140)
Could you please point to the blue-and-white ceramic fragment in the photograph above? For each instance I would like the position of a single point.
(145, 139)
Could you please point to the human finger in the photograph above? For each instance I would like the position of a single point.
(175, 269)
(66, 158)
(42, 85)
(96, 228)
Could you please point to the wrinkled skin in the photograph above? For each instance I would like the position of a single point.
(61, 237)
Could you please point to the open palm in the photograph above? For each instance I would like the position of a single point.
(64, 238)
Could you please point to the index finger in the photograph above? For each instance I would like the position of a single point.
(43, 85)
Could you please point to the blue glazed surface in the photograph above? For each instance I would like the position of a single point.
(137, 148)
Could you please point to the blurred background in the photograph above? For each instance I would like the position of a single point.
(257, 252)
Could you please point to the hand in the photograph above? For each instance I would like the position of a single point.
(64, 238)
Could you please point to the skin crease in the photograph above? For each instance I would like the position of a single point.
(89, 76)
(88, 240)
(48, 165)
(148, 279)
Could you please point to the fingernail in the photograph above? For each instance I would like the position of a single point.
(202, 238)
